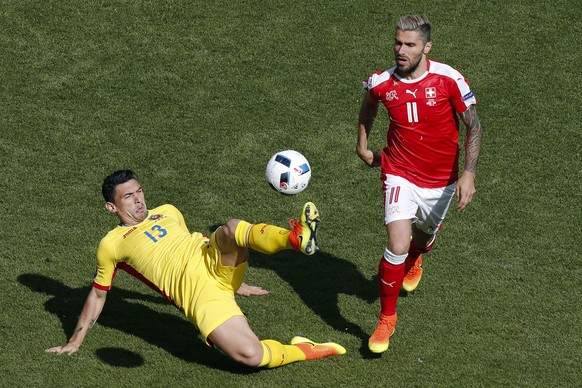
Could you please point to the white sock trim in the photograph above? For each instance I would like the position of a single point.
(394, 259)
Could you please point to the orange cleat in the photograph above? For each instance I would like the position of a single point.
(379, 341)
(313, 350)
(412, 273)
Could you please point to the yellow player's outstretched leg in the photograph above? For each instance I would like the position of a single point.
(275, 354)
(271, 239)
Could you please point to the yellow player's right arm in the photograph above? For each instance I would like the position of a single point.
(91, 311)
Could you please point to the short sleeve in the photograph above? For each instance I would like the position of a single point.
(106, 263)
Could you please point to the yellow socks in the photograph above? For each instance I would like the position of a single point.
(276, 354)
(264, 238)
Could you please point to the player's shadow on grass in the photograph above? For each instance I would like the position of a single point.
(319, 280)
(124, 311)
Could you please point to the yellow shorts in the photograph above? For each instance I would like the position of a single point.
(213, 287)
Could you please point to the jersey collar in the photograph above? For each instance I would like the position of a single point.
(411, 81)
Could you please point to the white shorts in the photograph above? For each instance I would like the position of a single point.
(406, 201)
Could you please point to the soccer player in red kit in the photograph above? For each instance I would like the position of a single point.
(419, 165)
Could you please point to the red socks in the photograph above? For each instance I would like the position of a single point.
(390, 277)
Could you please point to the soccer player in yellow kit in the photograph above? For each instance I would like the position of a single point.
(197, 274)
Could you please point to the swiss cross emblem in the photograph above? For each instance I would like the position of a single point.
(391, 95)
(430, 92)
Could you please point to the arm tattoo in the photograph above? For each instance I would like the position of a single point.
(473, 138)
(80, 328)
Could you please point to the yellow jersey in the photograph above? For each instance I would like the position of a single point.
(159, 249)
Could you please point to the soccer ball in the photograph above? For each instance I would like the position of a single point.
(288, 172)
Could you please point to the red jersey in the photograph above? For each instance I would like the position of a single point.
(422, 140)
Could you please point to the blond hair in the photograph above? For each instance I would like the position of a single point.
(418, 23)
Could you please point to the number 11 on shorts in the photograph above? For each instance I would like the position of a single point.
(394, 194)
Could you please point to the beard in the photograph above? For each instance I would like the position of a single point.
(403, 71)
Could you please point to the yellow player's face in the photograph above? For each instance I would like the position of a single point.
(409, 51)
(129, 203)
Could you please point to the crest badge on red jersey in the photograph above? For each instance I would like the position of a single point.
(430, 92)
(391, 95)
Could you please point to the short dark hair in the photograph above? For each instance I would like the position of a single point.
(112, 181)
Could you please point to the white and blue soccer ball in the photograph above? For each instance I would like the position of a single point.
(288, 172)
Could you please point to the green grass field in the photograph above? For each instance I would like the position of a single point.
(195, 97)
